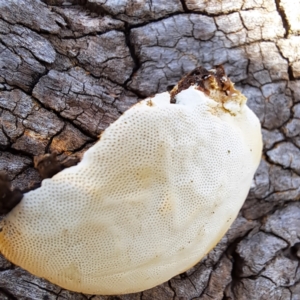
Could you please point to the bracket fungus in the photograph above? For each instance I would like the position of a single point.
(152, 197)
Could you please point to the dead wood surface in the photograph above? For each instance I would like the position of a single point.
(69, 68)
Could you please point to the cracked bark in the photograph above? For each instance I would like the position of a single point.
(70, 68)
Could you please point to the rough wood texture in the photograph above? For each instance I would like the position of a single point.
(68, 68)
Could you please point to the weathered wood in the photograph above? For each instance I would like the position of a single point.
(68, 68)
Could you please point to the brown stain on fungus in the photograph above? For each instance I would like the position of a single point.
(214, 83)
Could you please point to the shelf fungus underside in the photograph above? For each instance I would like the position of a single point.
(153, 196)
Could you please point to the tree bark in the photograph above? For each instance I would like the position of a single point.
(70, 68)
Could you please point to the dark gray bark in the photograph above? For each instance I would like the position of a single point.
(69, 68)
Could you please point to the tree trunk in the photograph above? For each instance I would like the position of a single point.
(69, 68)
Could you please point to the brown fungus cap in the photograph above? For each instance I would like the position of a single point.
(148, 201)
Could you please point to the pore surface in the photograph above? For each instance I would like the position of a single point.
(148, 201)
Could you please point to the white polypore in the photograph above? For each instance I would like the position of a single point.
(147, 202)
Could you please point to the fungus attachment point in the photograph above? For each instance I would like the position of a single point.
(152, 197)
(8, 198)
(48, 165)
(215, 84)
